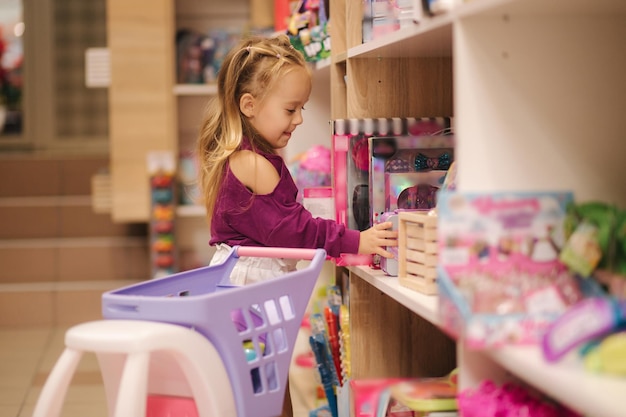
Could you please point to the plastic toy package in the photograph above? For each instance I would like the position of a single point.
(508, 400)
(359, 197)
(499, 275)
(407, 171)
(308, 30)
(403, 397)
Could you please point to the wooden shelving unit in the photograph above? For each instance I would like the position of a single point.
(536, 90)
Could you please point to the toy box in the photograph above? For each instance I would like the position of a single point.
(352, 160)
(499, 277)
(402, 397)
(407, 171)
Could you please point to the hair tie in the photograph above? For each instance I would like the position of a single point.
(248, 48)
(278, 56)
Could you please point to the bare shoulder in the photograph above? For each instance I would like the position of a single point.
(254, 171)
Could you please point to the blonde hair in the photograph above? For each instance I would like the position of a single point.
(254, 67)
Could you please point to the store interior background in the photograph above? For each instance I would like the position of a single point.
(49, 210)
(59, 247)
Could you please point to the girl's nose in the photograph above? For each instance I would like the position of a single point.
(298, 119)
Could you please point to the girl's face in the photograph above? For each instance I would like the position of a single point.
(280, 112)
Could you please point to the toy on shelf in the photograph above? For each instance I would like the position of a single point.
(403, 396)
(588, 320)
(366, 150)
(405, 172)
(508, 400)
(422, 396)
(381, 17)
(596, 244)
(607, 355)
(308, 30)
(311, 169)
(162, 170)
(200, 55)
(499, 276)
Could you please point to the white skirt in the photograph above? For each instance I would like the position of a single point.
(249, 270)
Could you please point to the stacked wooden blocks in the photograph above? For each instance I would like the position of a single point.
(417, 249)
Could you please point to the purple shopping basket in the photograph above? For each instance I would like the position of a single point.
(264, 316)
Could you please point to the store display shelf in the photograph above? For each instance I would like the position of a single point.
(195, 89)
(429, 38)
(540, 7)
(566, 381)
(433, 36)
(339, 57)
(424, 305)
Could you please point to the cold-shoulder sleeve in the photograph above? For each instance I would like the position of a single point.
(275, 219)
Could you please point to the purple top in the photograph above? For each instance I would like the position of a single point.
(275, 219)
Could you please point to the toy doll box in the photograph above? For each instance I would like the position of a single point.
(498, 275)
(406, 171)
(351, 160)
(417, 251)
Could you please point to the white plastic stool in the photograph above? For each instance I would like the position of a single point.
(141, 357)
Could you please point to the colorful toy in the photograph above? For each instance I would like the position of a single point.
(494, 289)
(607, 355)
(406, 171)
(589, 319)
(161, 167)
(596, 233)
(508, 400)
(308, 31)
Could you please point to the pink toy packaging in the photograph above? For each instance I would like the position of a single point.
(366, 394)
(407, 171)
(352, 164)
(499, 275)
(351, 171)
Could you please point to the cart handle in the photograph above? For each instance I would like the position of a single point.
(266, 252)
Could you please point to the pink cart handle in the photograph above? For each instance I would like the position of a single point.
(264, 252)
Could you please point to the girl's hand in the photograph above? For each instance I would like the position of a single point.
(374, 240)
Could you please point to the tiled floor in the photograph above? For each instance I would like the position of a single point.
(28, 355)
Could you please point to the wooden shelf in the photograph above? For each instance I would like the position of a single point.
(195, 89)
(529, 75)
(430, 38)
(566, 381)
(424, 305)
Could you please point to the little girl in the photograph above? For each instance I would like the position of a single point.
(250, 196)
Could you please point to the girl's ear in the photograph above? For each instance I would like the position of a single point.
(246, 104)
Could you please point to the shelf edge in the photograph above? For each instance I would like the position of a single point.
(426, 306)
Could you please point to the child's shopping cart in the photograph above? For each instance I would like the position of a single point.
(253, 328)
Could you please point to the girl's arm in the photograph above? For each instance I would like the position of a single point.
(294, 225)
